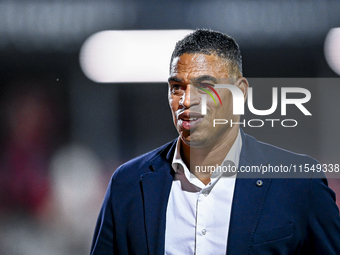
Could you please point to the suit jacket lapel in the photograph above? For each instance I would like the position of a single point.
(156, 187)
(249, 196)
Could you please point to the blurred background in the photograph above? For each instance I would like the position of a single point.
(62, 135)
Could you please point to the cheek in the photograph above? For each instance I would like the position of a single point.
(226, 97)
(173, 102)
(173, 108)
(227, 104)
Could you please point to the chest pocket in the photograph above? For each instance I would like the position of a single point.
(273, 234)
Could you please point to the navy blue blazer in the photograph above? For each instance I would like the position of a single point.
(281, 216)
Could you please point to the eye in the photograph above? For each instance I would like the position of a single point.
(204, 87)
(176, 88)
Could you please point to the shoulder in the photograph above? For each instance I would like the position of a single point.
(275, 162)
(135, 167)
(276, 154)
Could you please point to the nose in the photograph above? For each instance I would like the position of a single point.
(190, 97)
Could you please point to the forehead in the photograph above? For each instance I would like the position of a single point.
(189, 66)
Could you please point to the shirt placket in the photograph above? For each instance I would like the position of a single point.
(202, 226)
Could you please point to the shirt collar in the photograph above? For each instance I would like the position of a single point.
(233, 155)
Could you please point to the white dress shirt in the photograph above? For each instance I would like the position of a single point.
(198, 215)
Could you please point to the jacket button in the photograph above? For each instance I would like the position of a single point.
(259, 183)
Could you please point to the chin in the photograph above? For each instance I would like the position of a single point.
(195, 140)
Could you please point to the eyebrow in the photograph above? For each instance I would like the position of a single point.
(204, 78)
(195, 80)
(175, 79)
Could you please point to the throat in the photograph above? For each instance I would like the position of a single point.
(205, 181)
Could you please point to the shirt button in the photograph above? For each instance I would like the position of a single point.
(205, 194)
(204, 232)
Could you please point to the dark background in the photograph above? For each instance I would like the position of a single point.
(39, 47)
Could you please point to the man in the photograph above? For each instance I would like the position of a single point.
(164, 202)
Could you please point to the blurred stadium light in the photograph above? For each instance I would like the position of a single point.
(129, 56)
(332, 49)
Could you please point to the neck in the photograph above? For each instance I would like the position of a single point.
(208, 155)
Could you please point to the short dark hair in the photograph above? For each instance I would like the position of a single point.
(210, 42)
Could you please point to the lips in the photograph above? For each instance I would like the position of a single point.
(189, 120)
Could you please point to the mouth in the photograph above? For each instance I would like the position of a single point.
(189, 120)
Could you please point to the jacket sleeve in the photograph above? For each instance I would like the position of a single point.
(104, 235)
(324, 220)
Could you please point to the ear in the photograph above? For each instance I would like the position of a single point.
(242, 83)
